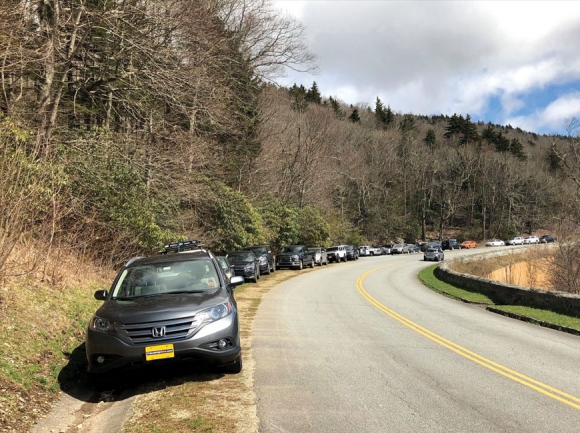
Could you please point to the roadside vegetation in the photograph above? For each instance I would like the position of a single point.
(534, 315)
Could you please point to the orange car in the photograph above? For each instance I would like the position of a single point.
(468, 244)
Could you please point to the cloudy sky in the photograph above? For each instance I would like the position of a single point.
(506, 62)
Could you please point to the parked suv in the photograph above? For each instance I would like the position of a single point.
(518, 240)
(168, 308)
(336, 253)
(246, 264)
(265, 258)
(351, 252)
(547, 239)
(294, 256)
(319, 256)
(450, 244)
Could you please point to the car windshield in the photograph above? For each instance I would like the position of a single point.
(241, 256)
(223, 263)
(349, 248)
(165, 278)
(332, 249)
(398, 246)
(291, 249)
(259, 250)
(313, 250)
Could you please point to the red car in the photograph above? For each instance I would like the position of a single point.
(468, 244)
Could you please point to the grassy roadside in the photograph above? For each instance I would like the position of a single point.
(43, 324)
(534, 315)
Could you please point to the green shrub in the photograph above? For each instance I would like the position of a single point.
(280, 223)
(232, 222)
(313, 230)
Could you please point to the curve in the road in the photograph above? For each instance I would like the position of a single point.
(540, 387)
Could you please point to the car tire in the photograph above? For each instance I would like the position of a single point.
(234, 368)
(312, 264)
(301, 266)
(267, 271)
(273, 267)
(258, 273)
(254, 279)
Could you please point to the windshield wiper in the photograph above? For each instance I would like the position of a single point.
(181, 292)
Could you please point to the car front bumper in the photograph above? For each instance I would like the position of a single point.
(121, 354)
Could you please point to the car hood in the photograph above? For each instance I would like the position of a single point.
(163, 307)
(240, 262)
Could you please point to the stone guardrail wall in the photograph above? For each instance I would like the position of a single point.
(509, 294)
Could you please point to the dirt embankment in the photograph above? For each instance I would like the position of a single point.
(533, 273)
(530, 268)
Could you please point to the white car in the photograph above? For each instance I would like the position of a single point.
(495, 243)
(518, 240)
(531, 240)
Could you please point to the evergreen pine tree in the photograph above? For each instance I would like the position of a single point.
(313, 94)
(390, 117)
(502, 143)
(517, 149)
(407, 125)
(298, 95)
(554, 160)
(336, 108)
(354, 116)
(380, 114)
(430, 139)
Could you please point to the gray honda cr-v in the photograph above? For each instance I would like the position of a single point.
(172, 307)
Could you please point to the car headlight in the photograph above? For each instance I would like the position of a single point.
(212, 314)
(249, 267)
(263, 260)
(100, 324)
(295, 257)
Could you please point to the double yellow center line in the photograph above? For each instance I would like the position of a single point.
(540, 387)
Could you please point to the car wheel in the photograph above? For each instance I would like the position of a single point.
(311, 263)
(301, 265)
(267, 270)
(234, 368)
(273, 267)
(254, 279)
(258, 272)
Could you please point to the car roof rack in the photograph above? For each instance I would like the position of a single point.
(179, 247)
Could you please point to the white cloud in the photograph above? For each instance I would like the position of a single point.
(552, 116)
(431, 57)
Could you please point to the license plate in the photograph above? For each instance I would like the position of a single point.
(159, 352)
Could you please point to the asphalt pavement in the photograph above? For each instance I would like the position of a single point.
(364, 347)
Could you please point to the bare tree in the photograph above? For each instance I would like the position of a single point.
(270, 40)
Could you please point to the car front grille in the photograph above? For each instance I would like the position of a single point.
(169, 330)
(285, 260)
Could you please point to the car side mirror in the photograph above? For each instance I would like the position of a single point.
(101, 295)
(236, 281)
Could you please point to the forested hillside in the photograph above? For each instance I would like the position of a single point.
(125, 125)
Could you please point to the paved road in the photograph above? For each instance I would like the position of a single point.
(353, 348)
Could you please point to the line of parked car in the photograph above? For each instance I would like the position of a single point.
(253, 262)
(521, 240)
